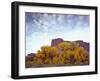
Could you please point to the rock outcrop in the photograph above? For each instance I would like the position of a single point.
(56, 41)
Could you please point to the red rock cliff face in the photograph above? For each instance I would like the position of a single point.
(30, 57)
(84, 44)
(55, 42)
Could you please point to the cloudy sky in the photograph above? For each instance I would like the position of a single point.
(41, 28)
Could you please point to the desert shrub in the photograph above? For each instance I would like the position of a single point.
(63, 53)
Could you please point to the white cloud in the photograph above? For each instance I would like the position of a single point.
(51, 26)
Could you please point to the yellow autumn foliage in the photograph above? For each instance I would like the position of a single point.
(66, 53)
